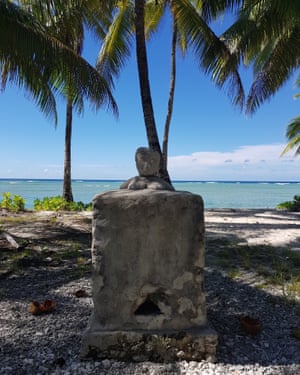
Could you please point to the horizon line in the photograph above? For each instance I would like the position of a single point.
(123, 179)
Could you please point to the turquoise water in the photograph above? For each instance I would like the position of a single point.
(214, 194)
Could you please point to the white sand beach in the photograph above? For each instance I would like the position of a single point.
(255, 226)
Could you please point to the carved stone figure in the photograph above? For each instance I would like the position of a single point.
(147, 163)
(148, 272)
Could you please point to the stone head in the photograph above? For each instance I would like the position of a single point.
(147, 162)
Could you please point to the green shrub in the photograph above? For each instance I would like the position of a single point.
(293, 205)
(59, 204)
(12, 202)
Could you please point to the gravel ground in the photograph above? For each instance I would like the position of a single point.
(50, 343)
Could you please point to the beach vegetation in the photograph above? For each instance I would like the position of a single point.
(12, 202)
(293, 205)
(263, 270)
(234, 273)
(288, 283)
(15, 219)
(58, 203)
(272, 267)
(17, 262)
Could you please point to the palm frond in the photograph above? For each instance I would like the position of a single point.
(30, 51)
(214, 56)
(116, 46)
(295, 142)
(293, 135)
(154, 11)
(280, 63)
(266, 35)
(211, 9)
(18, 63)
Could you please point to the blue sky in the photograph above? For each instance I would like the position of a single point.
(209, 138)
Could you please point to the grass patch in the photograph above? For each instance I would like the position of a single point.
(16, 219)
(279, 267)
(80, 271)
(14, 261)
(234, 273)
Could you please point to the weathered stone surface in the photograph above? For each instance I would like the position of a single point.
(161, 346)
(151, 183)
(147, 162)
(148, 270)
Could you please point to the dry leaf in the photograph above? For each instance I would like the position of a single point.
(48, 305)
(36, 308)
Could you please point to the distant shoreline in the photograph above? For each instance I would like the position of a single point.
(174, 181)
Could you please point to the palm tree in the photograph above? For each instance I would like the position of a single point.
(267, 34)
(67, 26)
(142, 63)
(32, 59)
(293, 133)
(191, 28)
(63, 22)
(165, 142)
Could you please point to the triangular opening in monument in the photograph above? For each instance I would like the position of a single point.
(148, 307)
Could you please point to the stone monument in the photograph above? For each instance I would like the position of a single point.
(148, 272)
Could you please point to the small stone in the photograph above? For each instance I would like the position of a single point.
(106, 363)
(180, 354)
(28, 361)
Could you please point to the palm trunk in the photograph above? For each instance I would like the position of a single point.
(171, 100)
(67, 184)
(145, 91)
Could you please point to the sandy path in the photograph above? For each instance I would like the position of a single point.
(254, 227)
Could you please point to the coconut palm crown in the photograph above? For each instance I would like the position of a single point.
(32, 59)
(293, 134)
(267, 35)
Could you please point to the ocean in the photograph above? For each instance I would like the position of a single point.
(216, 194)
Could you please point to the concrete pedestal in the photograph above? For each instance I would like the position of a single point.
(148, 278)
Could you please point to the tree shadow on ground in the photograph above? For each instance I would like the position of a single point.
(47, 251)
(227, 299)
(235, 287)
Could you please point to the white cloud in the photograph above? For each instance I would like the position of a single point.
(251, 162)
(246, 163)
